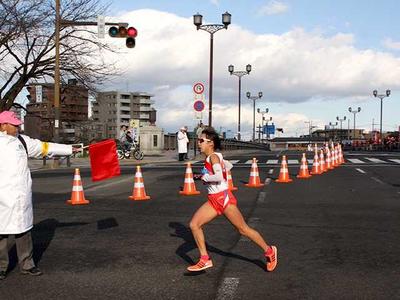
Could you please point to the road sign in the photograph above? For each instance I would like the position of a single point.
(198, 88)
(198, 105)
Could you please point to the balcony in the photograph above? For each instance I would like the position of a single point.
(145, 109)
(125, 116)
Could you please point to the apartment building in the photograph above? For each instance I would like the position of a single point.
(116, 108)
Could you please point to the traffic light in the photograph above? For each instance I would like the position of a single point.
(123, 32)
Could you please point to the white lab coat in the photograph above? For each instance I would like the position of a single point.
(182, 142)
(16, 213)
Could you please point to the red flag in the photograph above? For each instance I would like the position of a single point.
(104, 160)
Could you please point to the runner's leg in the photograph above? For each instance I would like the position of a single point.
(202, 216)
(233, 214)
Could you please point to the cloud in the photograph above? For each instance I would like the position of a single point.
(293, 67)
(215, 2)
(273, 8)
(390, 44)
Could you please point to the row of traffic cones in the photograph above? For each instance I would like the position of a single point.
(320, 165)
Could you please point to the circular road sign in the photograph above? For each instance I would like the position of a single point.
(198, 88)
(198, 106)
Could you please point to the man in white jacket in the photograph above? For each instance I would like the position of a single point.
(16, 213)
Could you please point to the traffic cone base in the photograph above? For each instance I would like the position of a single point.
(254, 179)
(139, 192)
(189, 188)
(77, 195)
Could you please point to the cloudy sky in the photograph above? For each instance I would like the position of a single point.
(311, 59)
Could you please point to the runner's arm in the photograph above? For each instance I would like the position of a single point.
(216, 165)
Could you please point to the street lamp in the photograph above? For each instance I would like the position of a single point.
(211, 29)
(263, 119)
(381, 96)
(354, 118)
(254, 98)
(239, 74)
(341, 120)
(333, 125)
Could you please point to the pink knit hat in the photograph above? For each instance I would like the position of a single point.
(9, 117)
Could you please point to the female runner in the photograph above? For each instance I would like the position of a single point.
(221, 201)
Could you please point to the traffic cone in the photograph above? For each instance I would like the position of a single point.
(189, 188)
(333, 157)
(316, 169)
(77, 195)
(231, 187)
(322, 165)
(303, 173)
(284, 172)
(254, 179)
(138, 192)
(328, 160)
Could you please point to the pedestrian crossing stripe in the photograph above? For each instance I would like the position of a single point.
(234, 161)
(375, 160)
(395, 160)
(292, 161)
(356, 161)
(272, 161)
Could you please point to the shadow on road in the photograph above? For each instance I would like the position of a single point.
(189, 244)
(42, 235)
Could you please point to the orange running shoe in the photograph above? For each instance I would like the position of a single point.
(272, 258)
(200, 266)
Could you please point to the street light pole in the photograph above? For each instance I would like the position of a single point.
(334, 131)
(239, 74)
(262, 119)
(381, 96)
(254, 98)
(341, 120)
(57, 75)
(354, 118)
(211, 29)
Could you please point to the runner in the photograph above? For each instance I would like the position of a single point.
(221, 201)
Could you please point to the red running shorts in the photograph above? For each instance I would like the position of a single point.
(221, 200)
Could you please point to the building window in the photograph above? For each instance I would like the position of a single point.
(155, 140)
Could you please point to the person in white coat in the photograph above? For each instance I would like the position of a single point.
(182, 143)
(16, 213)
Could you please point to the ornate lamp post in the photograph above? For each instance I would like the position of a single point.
(211, 29)
(354, 118)
(254, 98)
(239, 74)
(381, 96)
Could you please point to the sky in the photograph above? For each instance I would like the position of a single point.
(311, 59)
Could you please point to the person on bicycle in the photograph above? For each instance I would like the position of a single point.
(125, 138)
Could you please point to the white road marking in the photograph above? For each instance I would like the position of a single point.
(228, 288)
(249, 162)
(377, 180)
(270, 171)
(272, 161)
(356, 161)
(292, 161)
(397, 161)
(361, 171)
(310, 161)
(234, 161)
(375, 160)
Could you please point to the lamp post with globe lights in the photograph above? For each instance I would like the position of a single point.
(381, 96)
(211, 29)
(254, 98)
(355, 111)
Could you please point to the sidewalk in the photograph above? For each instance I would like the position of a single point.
(168, 156)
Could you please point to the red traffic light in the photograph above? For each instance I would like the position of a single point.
(132, 32)
(130, 42)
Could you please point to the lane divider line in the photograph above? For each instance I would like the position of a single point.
(361, 171)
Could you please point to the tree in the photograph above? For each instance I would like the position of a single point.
(27, 49)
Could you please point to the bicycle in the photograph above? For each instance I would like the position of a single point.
(134, 151)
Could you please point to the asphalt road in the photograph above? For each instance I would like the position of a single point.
(337, 236)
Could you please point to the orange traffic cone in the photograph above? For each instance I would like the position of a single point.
(328, 160)
(254, 179)
(316, 169)
(334, 156)
(322, 165)
(189, 188)
(284, 172)
(77, 195)
(231, 187)
(138, 192)
(303, 173)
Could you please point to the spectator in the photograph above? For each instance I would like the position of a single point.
(182, 143)
(16, 213)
